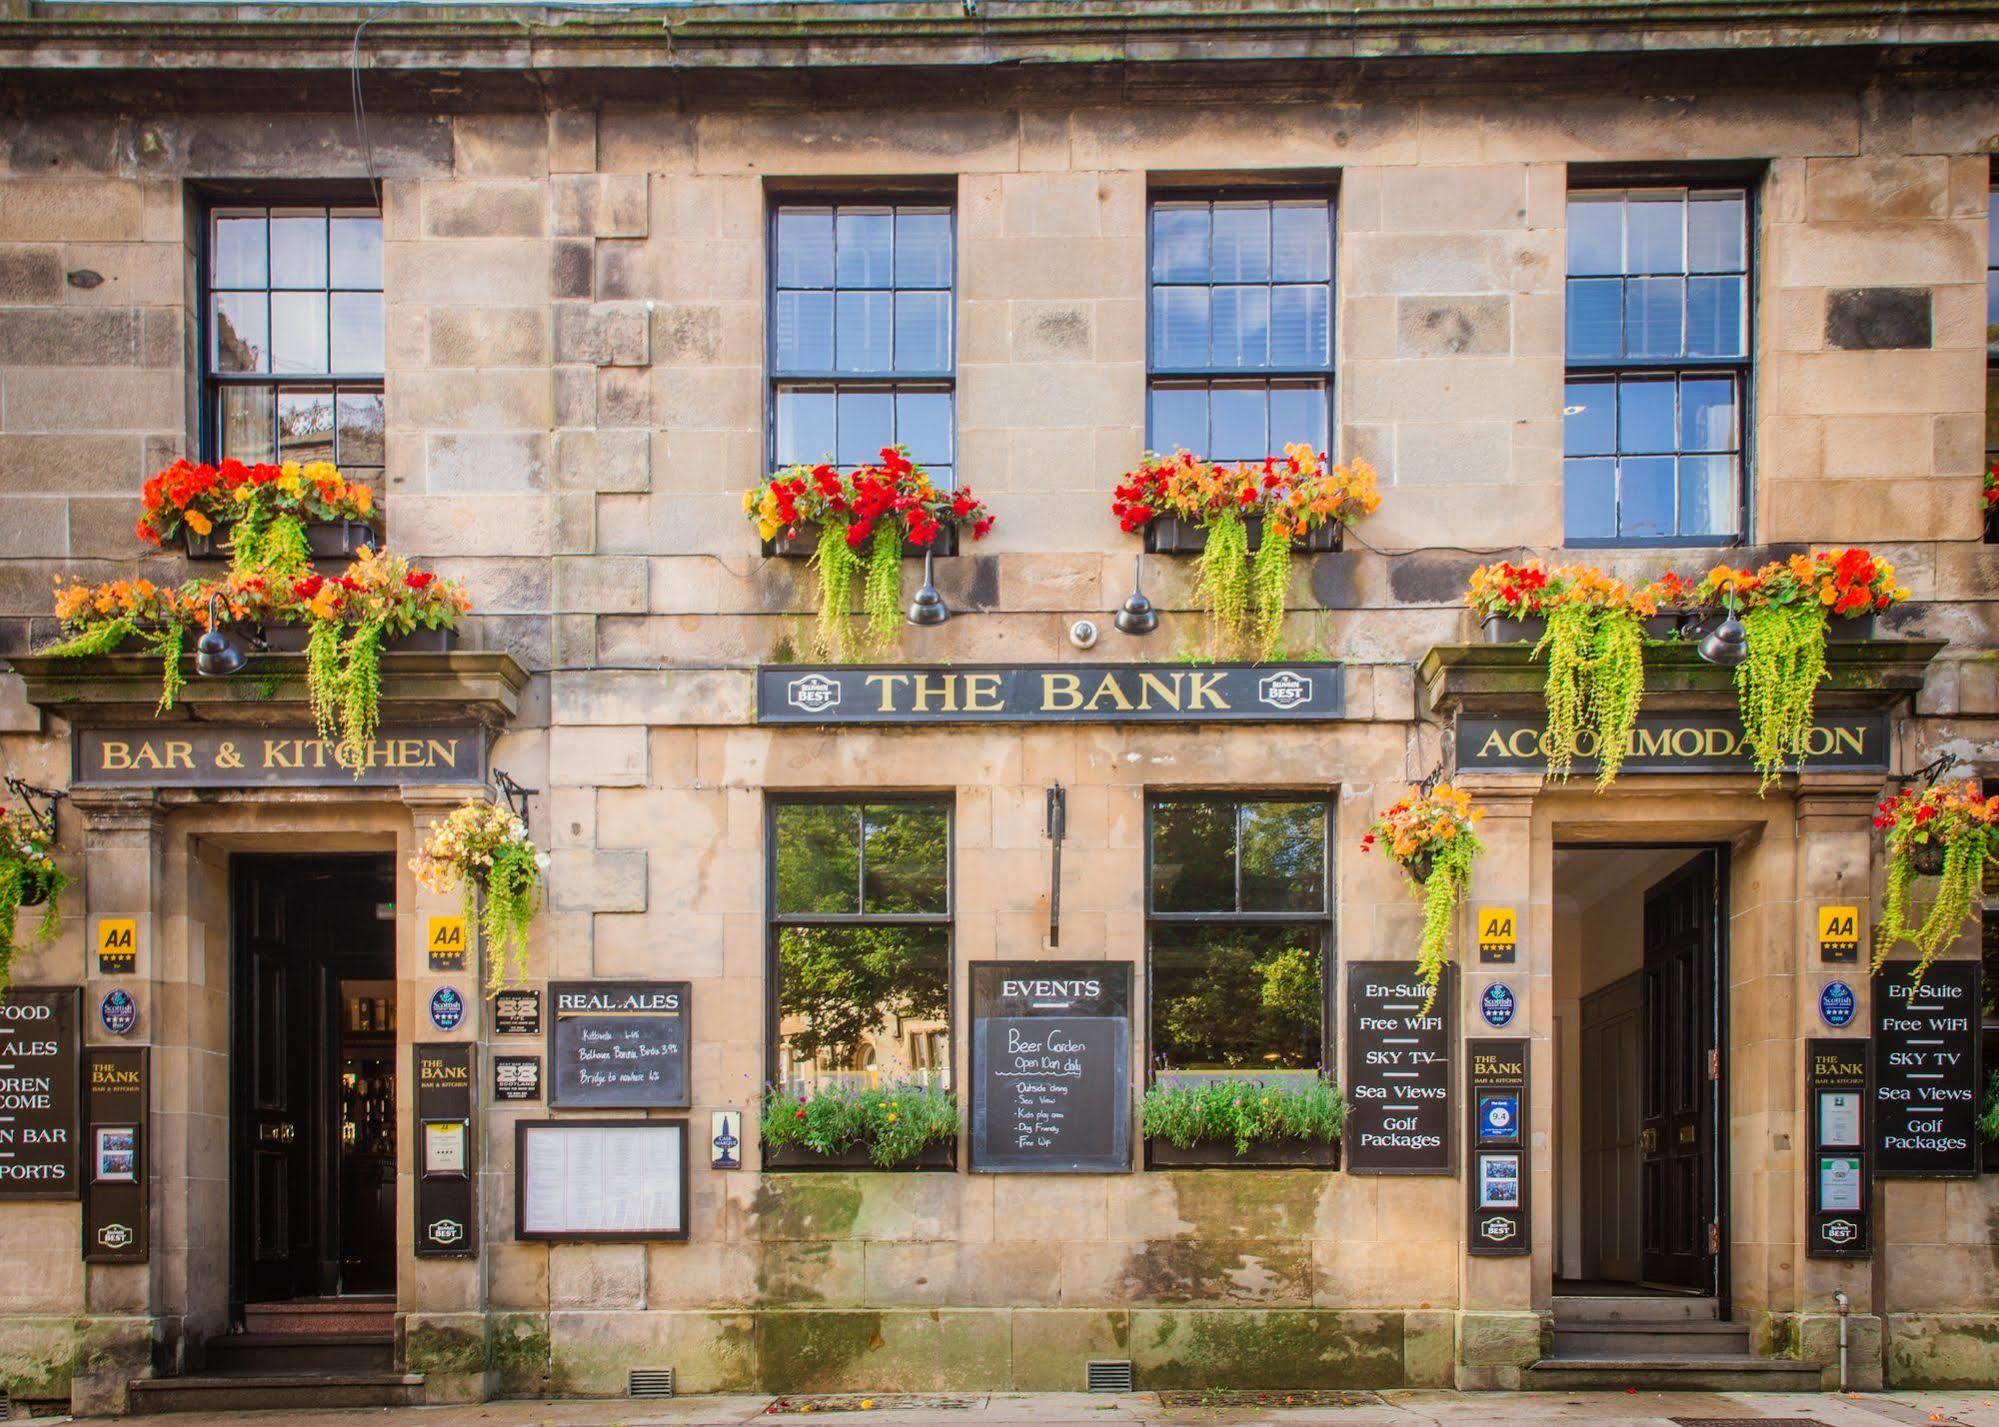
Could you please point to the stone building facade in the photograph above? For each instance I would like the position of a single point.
(576, 238)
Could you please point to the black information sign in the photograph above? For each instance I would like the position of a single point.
(1050, 693)
(446, 1226)
(1838, 1200)
(38, 1081)
(517, 1013)
(115, 1150)
(619, 1043)
(1051, 1066)
(1496, 1089)
(209, 756)
(1926, 1070)
(1674, 743)
(1398, 1071)
(517, 1077)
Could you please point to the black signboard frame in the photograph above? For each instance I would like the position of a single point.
(116, 1097)
(1112, 1004)
(1831, 1066)
(506, 1095)
(1364, 1082)
(561, 1051)
(209, 756)
(517, 1012)
(1496, 1067)
(446, 1072)
(1893, 1077)
(525, 1129)
(1303, 691)
(65, 1075)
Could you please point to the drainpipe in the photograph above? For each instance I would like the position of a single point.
(1839, 1298)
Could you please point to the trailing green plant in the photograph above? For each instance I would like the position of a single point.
(482, 851)
(838, 568)
(892, 1122)
(1269, 589)
(1243, 1112)
(1988, 1115)
(1431, 835)
(102, 619)
(1222, 582)
(28, 875)
(1952, 818)
(881, 589)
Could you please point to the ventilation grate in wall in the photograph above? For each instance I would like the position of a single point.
(649, 1382)
(1110, 1375)
(6, 1404)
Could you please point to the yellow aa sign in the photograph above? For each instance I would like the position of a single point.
(117, 945)
(1498, 933)
(1839, 930)
(445, 943)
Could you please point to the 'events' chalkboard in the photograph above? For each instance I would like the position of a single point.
(618, 1043)
(1051, 1066)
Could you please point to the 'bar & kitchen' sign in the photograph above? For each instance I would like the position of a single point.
(1051, 693)
(208, 756)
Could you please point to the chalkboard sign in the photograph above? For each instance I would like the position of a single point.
(618, 1043)
(38, 1093)
(1926, 1077)
(1051, 1066)
(1398, 1071)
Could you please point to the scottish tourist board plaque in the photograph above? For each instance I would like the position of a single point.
(1050, 693)
(38, 1092)
(1926, 1076)
(618, 1044)
(1398, 1071)
(1051, 1066)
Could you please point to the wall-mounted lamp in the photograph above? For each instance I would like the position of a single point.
(928, 607)
(1727, 644)
(1138, 616)
(215, 654)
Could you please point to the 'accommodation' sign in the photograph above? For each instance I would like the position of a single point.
(1047, 693)
(221, 757)
(1675, 743)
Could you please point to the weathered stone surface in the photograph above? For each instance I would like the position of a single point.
(606, 334)
(1872, 319)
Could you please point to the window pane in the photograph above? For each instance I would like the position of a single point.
(1652, 316)
(245, 421)
(1299, 334)
(1236, 998)
(1707, 414)
(904, 858)
(298, 332)
(305, 425)
(1193, 856)
(1180, 327)
(1714, 316)
(1589, 498)
(1596, 235)
(1242, 327)
(863, 241)
(1589, 418)
(804, 331)
(1236, 429)
(1645, 415)
(818, 857)
(922, 331)
(1283, 857)
(238, 256)
(1596, 321)
(867, 423)
(1242, 242)
(1179, 419)
(1301, 242)
(804, 426)
(923, 424)
(922, 248)
(1707, 495)
(240, 332)
(355, 243)
(1298, 413)
(842, 992)
(805, 247)
(1179, 242)
(357, 331)
(298, 249)
(1654, 233)
(862, 341)
(360, 415)
(1715, 233)
(1645, 496)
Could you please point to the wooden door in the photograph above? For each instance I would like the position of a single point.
(1613, 1036)
(1682, 1077)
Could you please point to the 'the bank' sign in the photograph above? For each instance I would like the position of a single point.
(1675, 743)
(1050, 693)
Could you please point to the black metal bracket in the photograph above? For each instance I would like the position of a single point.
(28, 793)
(516, 796)
(1430, 781)
(1058, 826)
(1930, 772)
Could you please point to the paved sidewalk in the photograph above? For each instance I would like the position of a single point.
(1387, 1409)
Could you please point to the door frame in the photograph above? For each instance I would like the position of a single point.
(1717, 962)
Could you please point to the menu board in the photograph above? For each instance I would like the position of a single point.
(618, 1044)
(1398, 1071)
(1051, 1066)
(600, 1179)
(1926, 1070)
(38, 1085)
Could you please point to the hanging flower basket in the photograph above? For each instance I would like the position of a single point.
(39, 882)
(261, 516)
(1927, 859)
(29, 877)
(801, 542)
(324, 539)
(482, 852)
(1950, 832)
(1432, 836)
(1175, 535)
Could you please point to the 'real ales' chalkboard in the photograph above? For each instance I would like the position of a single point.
(1051, 1066)
(618, 1043)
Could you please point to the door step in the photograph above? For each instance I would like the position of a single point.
(1635, 1308)
(316, 1317)
(1698, 1338)
(1722, 1373)
(279, 1354)
(275, 1392)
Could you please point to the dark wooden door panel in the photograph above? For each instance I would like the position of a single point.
(1677, 1132)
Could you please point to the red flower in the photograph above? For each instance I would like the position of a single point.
(980, 527)
(306, 588)
(146, 532)
(418, 579)
(858, 533)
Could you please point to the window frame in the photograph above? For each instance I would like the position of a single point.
(776, 922)
(1742, 369)
(889, 382)
(1326, 918)
(1990, 446)
(1209, 376)
(216, 200)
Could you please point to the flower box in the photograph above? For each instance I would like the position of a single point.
(325, 540)
(940, 1156)
(805, 544)
(1170, 535)
(1505, 629)
(38, 884)
(292, 639)
(1927, 858)
(1992, 538)
(1161, 1153)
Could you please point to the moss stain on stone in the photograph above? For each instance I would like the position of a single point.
(813, 1351)
(1247, 1349)
(1248, 1203)
(520, 1354)
(1208, 1271)
(445, 1347)
(807, 1206)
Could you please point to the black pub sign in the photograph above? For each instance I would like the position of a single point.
(619, 1043)
(1926, 1075)
(115, 1149)
(1051, 1066)
(1496, 1095)
(446, 1226)
(1673, 743)
(220, 756)
(1838, 1194)
(1050, 693)
(38, 1090)
(1398, 1070)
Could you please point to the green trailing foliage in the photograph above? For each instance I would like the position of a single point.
(1444, 889)
(168, 642)
(893, 1122)
(25, 870)
(1595, 685)
(1988, 1116)
(1223, 582)
(1243, 1112)
(511, 895)
(1269, 587)
(881, 593)
(1777, 685)
(267, 542)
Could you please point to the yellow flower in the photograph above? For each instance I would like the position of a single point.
(199, 523)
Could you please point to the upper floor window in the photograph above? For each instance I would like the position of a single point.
(1240, 354)
(1658, 365)
(862, 352)
(292, 355)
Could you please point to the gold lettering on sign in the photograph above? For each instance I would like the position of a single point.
(888, 684)
(1168, 690)
(1205, 692)
(116, 755)
(939, 687)
(982, 694)
(1061, 693)
(1109, 686)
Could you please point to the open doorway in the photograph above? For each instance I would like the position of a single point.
(1639, 947)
